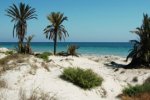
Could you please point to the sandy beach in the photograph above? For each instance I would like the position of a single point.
(31, 75)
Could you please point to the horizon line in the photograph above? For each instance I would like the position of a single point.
(74, 41)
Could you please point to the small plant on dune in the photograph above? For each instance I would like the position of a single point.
(134, 90)
(3, 84)
(147, 80)
(14, 57)
(27, 46)
(85, 79)
(72, 50)
(44, 55)
(36, 95)
(137, 92)
(9, 52)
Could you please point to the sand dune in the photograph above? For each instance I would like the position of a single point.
(33, 75)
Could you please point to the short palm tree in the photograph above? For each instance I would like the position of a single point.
(19, 16)
(28, 44)
(140, 53)
(56, 30)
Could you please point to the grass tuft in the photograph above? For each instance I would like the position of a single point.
(134, 90)
(4, 61)
(44, 55)
(85, 79)
(9, 52)
(147, 80)
(3, 84)
(36, 95)
(137, 92)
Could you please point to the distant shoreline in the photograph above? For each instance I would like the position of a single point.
(69, 42)
(85, 48)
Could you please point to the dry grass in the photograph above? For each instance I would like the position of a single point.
(3, 84)
(138, 92)
(35, 95)
(43, 64)
(33, 69)
(2, 96)
(14, 58)
(147, 80)
(141, 96)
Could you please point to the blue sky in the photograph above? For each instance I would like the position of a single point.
(88, 20)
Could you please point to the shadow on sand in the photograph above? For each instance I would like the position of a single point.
(115, 65)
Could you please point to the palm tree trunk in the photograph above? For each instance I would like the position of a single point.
(21, 39)
(55, 43)
(22, 51)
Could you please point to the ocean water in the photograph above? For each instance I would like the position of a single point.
(85, 48)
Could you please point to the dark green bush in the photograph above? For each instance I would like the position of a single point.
(86, 79)
(44, 55)
(134, 90)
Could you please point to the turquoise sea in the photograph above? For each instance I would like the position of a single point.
(90, 48)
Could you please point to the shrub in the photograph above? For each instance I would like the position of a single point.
(44, 55)
(86, 79)
(147, 80)
(3, 84)
(9, 52)
(135, 90)
(141, 96)
(72, 50)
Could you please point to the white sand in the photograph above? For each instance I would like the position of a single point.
(33, 75)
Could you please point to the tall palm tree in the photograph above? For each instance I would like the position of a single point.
(19, 16)
(140, 53)
(56, 30)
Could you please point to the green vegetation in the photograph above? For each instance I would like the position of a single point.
(10, 52)
(44, 55)
(19, 16)
(140, 53)
(85, 79)
(137, 90)
(134, 90)
(56, 30)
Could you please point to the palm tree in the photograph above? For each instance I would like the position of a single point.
(27, 45)
(56, 30)
(140, 53)
(19, 16)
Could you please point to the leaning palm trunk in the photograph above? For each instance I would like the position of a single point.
(140, 53)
